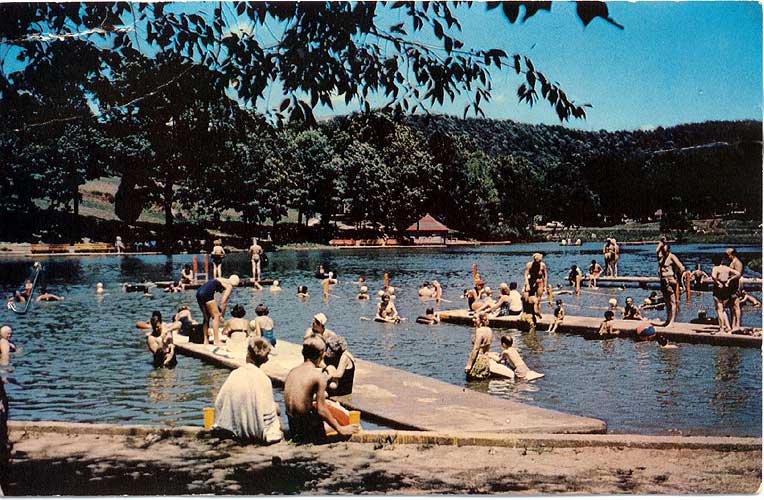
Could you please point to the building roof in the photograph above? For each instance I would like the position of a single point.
(427, 224)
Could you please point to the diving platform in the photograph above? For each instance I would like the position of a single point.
(407, 401)
(588, 327)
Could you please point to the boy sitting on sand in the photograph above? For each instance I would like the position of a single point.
(303, 385)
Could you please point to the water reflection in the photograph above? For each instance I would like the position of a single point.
(82, 359)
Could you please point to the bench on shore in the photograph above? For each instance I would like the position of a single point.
(93, 248)
(51, 248)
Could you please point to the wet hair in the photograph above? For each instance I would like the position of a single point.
(156, 320)
(313, 347)
(258, 349)
(261, 310)
(426, 284)
(559, 302)
(506, 340)
(513, 285)
(238, 311)
(716, 259)
(594, 261)
(573, 267)
(430, 311)
(302, 289)
(661, 340)
(609, 315)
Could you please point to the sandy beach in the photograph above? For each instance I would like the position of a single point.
(161, 462)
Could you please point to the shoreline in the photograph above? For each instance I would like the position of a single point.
(103, 459)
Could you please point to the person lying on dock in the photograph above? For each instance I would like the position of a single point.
(159, 341)
(630, 311)
(245, 406)
(363, 293)
(305, 397)
(606, 327)
(45, 296)
(747, 298)
(386, 311)
(205, 297)
(236, 329)
(430, 317)
(275, 286)
(302, 292)
(262, 325)
(559, 315)
(511, 358)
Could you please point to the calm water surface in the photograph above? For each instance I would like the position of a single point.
(83, 360)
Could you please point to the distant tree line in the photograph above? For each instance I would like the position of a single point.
(189, 150)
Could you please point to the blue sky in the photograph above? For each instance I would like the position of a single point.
(674, 62)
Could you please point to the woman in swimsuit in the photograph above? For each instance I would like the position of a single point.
(205, 297)
(536, 275)
(263, 324)
(217, 259)
(386, 311)
(237, 328)
(340, 367)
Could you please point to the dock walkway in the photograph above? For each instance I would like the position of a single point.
(406, 401)
(644, 281)
(589, 327)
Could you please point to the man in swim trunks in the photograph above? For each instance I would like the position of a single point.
(669, 267)
(255, 252)
(303, 384)
(205, 297)
(536, 275)
(217, 254)
(697, 277)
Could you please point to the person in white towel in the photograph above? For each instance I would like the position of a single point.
(245, 405)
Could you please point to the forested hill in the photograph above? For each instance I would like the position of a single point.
(543, 142)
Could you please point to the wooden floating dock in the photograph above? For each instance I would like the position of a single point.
(145, 287)
(586, 326)
(406, 401)
(645, 281)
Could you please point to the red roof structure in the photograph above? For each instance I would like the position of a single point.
(427, 224)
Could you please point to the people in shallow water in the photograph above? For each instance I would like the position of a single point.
(262, 325)
(160, 343)
(363, 293)
(430, 317)
(45, 296)
(275, 286)
(386, 311)
(426, 290)
(511, 358)
(606, 327)
(302, 292)
(6, 346)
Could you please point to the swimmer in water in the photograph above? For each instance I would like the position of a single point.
(430, 317)
(6, 346)
(426, 290)
(363, 293)
(45, 296)
(275, 286)
(302, 292)
(99, 288)
(606, 327)
(664, 343)
(386, 311)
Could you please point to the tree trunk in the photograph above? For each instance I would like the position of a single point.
(299, 216)
(169, 219)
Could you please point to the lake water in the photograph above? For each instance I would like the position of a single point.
(83, 360)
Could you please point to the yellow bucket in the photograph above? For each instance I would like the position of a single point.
(209, 417)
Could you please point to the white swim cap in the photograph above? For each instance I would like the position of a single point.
(612, 302)
(99, 285)
(234, 279)
(321, 318)
(275, 282)
(381, 293)
(364, 289)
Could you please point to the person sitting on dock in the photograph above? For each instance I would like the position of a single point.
(574, 278)
(45, 296)
(236, 328)
(245, 406)
(594, 272)
(747, 298)
(6, 346)
(274, 286)
(474, 304)
(630, 311)
(363, 293)
(430, 317)
(340, 367)
(186, 275)
(511, 358)
(263, 324)
(305, 397)
(318, 327)
(669, 267)
(503, 306)
(606, 327)
(217, 254)
(559, 316)
(697, 277)
(302, 292)
(386, 311)
(205, 297)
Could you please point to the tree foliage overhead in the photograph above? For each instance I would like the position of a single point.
(310, 51)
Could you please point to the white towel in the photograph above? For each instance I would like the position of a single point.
(245, 405)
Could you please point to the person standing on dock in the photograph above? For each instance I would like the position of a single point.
(536, 276)
(217, 254)
(610, 250)
(205, 297)
(722, 276)
(255, 253)
(669, 267)
(734, 287)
